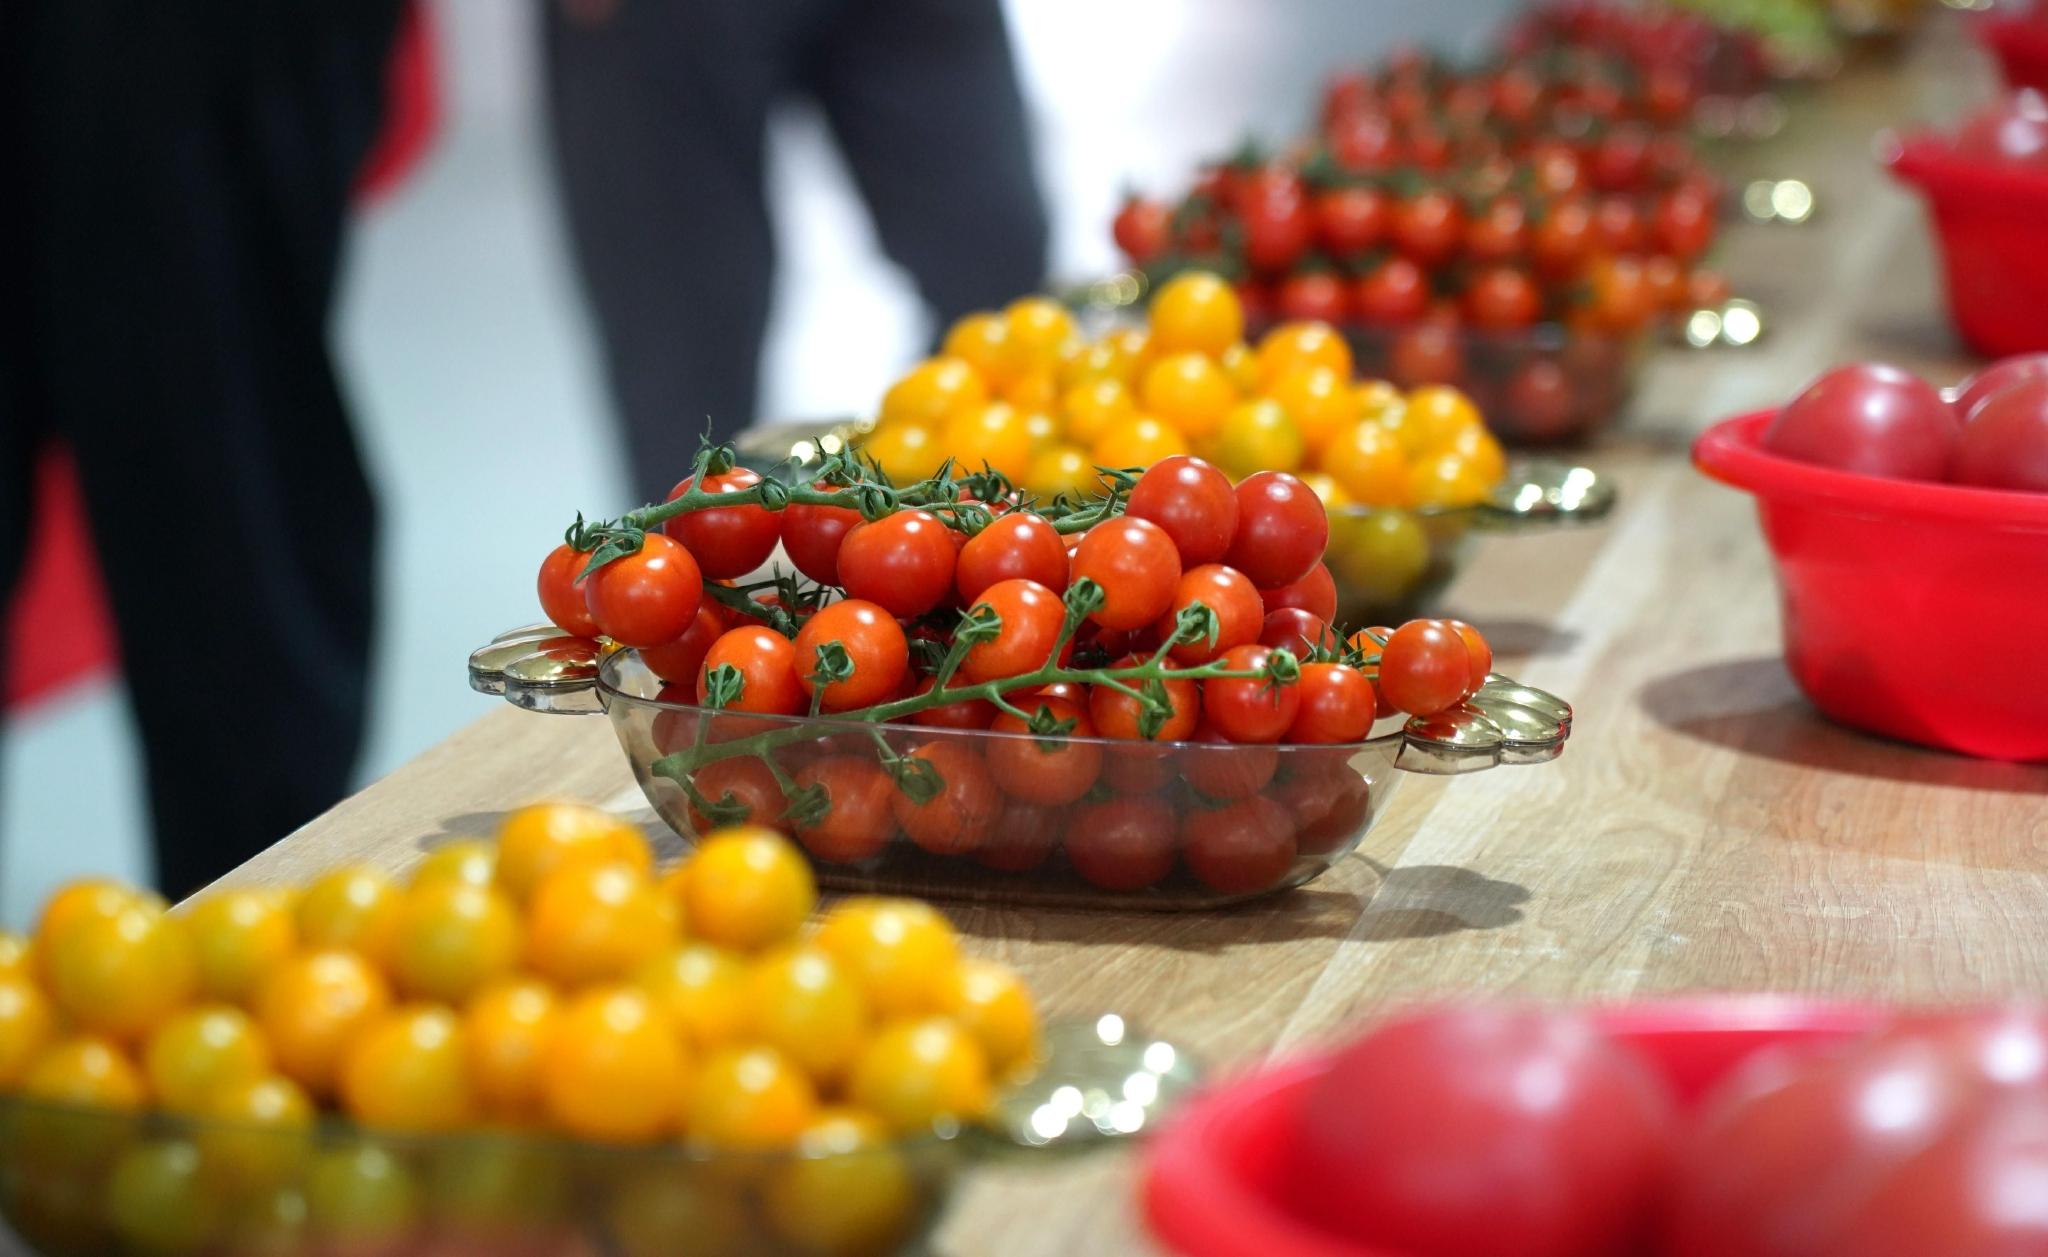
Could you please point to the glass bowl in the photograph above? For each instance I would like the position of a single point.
(1015, 817)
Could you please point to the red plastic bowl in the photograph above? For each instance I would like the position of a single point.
(2021, 46)
(1221, 1176)
(1911, 609)
(1987, 219)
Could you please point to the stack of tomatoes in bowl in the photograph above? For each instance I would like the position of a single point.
(1910, 532)
(1733, 1127)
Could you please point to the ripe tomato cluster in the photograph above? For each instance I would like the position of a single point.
(1928, 1137)
(1661, 60)
(551, 979)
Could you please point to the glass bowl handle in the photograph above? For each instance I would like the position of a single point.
(1545, 493)
(539, 668)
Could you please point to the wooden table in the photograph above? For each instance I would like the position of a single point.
(1704, 829)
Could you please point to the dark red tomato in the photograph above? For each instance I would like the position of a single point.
(1282, 529)
(1249, 709)
(1031, 618)
(1328, 798)
(903, 561)
(1315, 593)
(1363, 143)
(1430, 352)
(1393, 293)
(811, 536)
(1192, 501)
(1051, 770)
(1426, 147)
(1972, 392)
(1015, 546)
(1668, 94)
(1142, 229)
(727, 541)
(1618, 226)
(648, 597)
(675, 730)
(682, 659)
(1116, 714)
(1337, 705)
(1425, 667)
(968, 713)
(1499, 233)
(1240, 848)
(874, 644)
(1123, 843)
(1562, 239)
(959, 817)
(857, 823)
(1232, 600)
(1621, 158)
(2005, 444)
(1517, 95)
(1023, 836)
(1514, 1132)
(1539, 400)
(561, 598)
(744, 781)
(1312, 296)
(1350, 220)
(1976, 1191)
(1138, 768)
(1220, 769)
(1555, 169)
(1277, 227)
(1870, 418)
(1501, 298)
(1428, 227)
(1136, 564)
(1256, 298)
(1619, 299)
(766, 663)
(1683, 225)
(1477, 650)
(1348, 92)
(1297, 631)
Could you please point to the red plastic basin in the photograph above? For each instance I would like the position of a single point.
(1912, 609)
(2021, 46)
(1219, 1178)
(1988, 219)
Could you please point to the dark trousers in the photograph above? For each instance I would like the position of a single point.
(179, 176)
(660, 113)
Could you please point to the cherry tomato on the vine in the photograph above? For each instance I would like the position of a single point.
(967, 713)
(1193, 501)
(960, 815)
(1281, 530)
(903, 561)
(648, 597)
(857, 821)
(767, 665)
(1031, 616)
(1315, 593)
(1142, 229)
(1023, 836)
(1336, 705)
(1393, 293)
(1240, 848)
(811, 536)
(1428, 227)
(1477, 650)
(1049, 770)
(1297, 631)
(1136, 564)
(726, 541)
(1311, 295)
(873, 643)
(1015, 546)
(744, 781)
(1233, 602)
(1220, 769)
(1124, 843)
(1502, 298)
(1116, 714)
(1350, 220)
(682, 659)
(561, 599)
(1250, 709)
(1424, 668)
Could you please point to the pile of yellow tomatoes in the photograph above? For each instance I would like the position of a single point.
(1022, 391)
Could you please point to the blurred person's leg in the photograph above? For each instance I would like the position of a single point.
(924, 99)
(660, 117)
(192, 166)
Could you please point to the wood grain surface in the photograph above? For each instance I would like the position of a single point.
(1705, 830)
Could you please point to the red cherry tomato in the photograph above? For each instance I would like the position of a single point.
(1222, 770)
(1031, 619)
(1329, 800)
(1502, 298)
(1972, 392)
(1124, 843)
(1393, 293)
(1477, 651)
(1277, 228)
(682, 659)
(1619, 298)
(903, 561)
(1315, 593)
(873, 642)
(811, 537)
(1683, 224)
(1116, 714)
(1336, 705)
(1870, 418)
(1022, 838)
(1499, 233)
(1281, 530)
(1618, 226)
(1015, 546)
(857, 822)
(727, 541)
(744, 781)
(648, 597)
(1142, 229)
(1350, 220)
(766, 663)
(1427, 353)
(1240, 848)
(1562, 238)
(1540, 401)
(959, 817)
(1514, 1132)
(1137, 565)
(2005, 444)
(1976, 1191)
(1297, 632)
(1193, 501)
(968, 713)
(561, 599)
(1233, 603)
(1428, 227)
(1249, 709)
(1312, 296)
(1424, 668)
(1363, 143)
(1054, 769)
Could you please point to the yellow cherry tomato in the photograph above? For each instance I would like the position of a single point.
(200, 1051)
(992, 1003)
(1033, 392)
(452, 937)
(268, 1223)
(1139, 441)
(906, 452)
(259, 1133)
(1376, 397)
(846, 1193)
(1256, 436)
(1478, 447)
(982, 340)
(361, 1199)
(1293, 346)
(1326, 487)
(902, 952)
(86, 1071)
(997, 434)
(159, 1199)
(123, 974)
(469, 860)
(92, 1087)
(1103, 360)
(913, 1073)
(1058, 469)
(1188, 391)
(597, 923)
(931, 390)
(747, 887)
(702, 990)
(82, 900)
(1367, 461)
(1435, 414)
(410, 1072)
(1319, 400)
(1242, 366)
(355, 908)
(506, 1030)
(1093, 406)
(502, 1196)
(659, 1210)
(804, 1001)
(17, 959)
(312, 1006)
(1381, 553)
(1446, 479)
(541, 837)
(614, 1070)
(28, 1025)
(1040, 330)
(750, 1097)
(1043, 428)
(1196, 311)
(238, 936)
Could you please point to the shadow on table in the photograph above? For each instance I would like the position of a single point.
(1431, 900)
(1752, 706)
